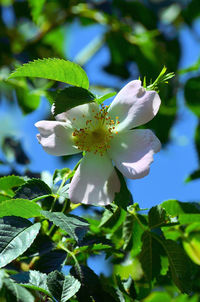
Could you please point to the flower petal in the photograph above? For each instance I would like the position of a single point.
(78, 115)
(95, 181)
(134, 106)
(56, 138)
(132, 152)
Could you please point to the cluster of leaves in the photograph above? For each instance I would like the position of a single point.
(159, 249)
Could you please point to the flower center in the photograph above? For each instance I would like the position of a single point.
(96, 135)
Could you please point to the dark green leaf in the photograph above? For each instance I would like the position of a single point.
(192, 94)
(150, 256)
(71, 97)
(33, 188)
(179, 265)
(193, 176)
(124, 197)
(16, 293)
(51, 261)
(127, 230)
(19, 207)
(16, 235)
(62, 287)
(157, 217)
(54, 69)
(75, 226)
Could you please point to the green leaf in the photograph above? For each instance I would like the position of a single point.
(19, 207)
(7, 183)
(189, 218)
(127, 230)
(16, 293)
(192, 94)
(62, 287)
(71, 97)
(37, 281)
(54, 69)
(27, 100)
(156, 217)
(33, 188)
(16, 236)
(36, 8)
(75, 226)
(105, 97)
(175, 207)
(124, 197)
(60, 174)
(150, 256)
(179, 265)
(195, 175)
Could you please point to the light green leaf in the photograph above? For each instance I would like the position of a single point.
(36, 8)
(75, 226)
(16, 236)
(17, 293)
(127, 229)
(19, 207)
(71, 97)
(175, 207)
(70, 287)
(7, 183)
(105, 97)
(60, 174)
(189, 218)
(54, 69)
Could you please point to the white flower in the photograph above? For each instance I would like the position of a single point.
(106, 136)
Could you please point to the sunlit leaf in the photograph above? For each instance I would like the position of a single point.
(62, 287)
(54, 69)
(19, 207)
(16, 235)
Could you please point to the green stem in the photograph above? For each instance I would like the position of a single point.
(132, 212)
(41, 197)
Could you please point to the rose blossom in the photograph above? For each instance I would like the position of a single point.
(107, 138)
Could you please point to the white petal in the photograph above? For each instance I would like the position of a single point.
(134, 106)
(78, 115)
(56, 138)
(132, 152)
(95, 181)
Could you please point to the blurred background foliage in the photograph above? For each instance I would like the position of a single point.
(141, 37)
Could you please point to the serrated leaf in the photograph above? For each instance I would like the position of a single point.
(19, 207)
(150, 256)
(16, 293)
(179, 265)
(7, 183)
(32, 188)
(71, 97)
(156, 217)
(16, 235)
(54, 69)
(62, 287)
(127, 230)
(75, 226)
